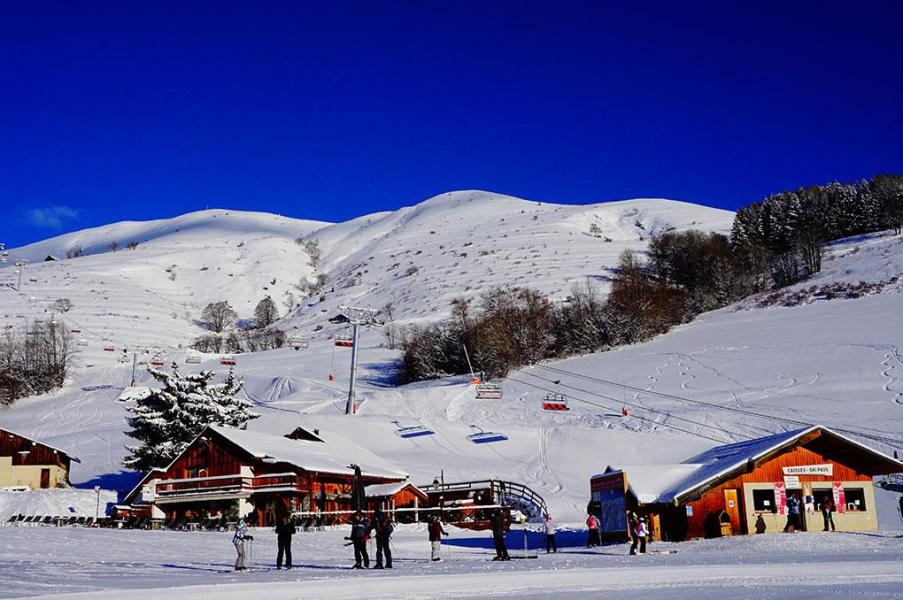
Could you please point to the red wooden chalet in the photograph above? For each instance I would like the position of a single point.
(226, 473)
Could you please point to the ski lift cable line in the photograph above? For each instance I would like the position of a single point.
(641, 418)
(639, 406)
(886, 440)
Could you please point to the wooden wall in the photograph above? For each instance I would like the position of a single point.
(38, 454)
(768, 472)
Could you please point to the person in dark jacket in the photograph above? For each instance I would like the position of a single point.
(284, 532)
(827, 513)
(436, 532)
(498, 535)
(359, 532)
(793, 514)
(383, 527)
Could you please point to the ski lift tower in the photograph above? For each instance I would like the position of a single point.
(19, 269)
(355, 317)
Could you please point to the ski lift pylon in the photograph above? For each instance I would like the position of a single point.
(555, 402)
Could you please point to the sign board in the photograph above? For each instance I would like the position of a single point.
(689, 510)
(840, 497)
(780, 498)
(610, 491)
(792, 482)
(809, 470)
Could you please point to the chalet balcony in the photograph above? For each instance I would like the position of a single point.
(224, 487)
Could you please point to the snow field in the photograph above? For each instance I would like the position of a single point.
(114, 563)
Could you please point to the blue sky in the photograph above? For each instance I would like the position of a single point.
(122, 110)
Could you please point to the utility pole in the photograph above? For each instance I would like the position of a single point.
(134, 366)
(20, 268)
(355, 316)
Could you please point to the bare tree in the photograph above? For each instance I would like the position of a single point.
(218, 315)
(266, 313)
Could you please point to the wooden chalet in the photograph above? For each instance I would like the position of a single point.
(28, 463)
(226, 473)
(743, 488)
(404, 497)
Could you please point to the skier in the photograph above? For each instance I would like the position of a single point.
(359, 531)
(436, 532)
(793, 514)
(238, 540)
(639, 536)
(592, 526)
(498, 535)
(383, 527)
(284, 532)
(549, 528)
(827, 513)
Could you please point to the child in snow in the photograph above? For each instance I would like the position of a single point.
(549, 528)
(436, 532)
(238, 540)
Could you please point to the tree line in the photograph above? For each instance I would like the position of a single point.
(773, 243)
(33, 359)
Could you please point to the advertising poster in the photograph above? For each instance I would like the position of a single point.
(780, 498)
(840, 497)
(611, 493)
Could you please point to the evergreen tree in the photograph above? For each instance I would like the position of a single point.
(166, 420)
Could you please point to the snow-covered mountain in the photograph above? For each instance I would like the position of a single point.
(738, 372)
(416, 259)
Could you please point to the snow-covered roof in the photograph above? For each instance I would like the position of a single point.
(665, 483)
(31, 439)
(333, 455)
(648, 483)
(381, 490)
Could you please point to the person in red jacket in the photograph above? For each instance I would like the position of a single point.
(436, 532)
(592, 526)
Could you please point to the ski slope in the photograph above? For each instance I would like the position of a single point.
(739, 372)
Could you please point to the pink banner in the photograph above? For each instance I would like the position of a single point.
(780, 498)
(840, 497)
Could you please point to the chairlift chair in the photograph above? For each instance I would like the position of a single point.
(109, 348)
(555, 402)
(489, 391)
(344, 341)
(228, 361)
(486, 437)
(75, 330)
(192, 358)
(156, 362)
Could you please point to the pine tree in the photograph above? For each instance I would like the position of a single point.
(166, 420)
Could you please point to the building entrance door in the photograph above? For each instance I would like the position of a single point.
(732, 508)
(45, 478)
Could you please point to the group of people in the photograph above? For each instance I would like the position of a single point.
(382, 527)
(795, 517)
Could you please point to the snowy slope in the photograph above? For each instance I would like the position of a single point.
(728, 375)
(459, 243)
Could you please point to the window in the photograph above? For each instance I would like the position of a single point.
(763, 501)
(854, 499)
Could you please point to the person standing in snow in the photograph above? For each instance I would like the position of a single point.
(383, 527)
(238, 540)
(284, 532)
(435, 532)
(549, 527)
(592, 526)
(498, 534)
(793, 514)
(827, 513)
(359, 532)
(640, 533)
(633, 522)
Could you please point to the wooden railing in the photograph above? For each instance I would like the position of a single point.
(226, 484)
